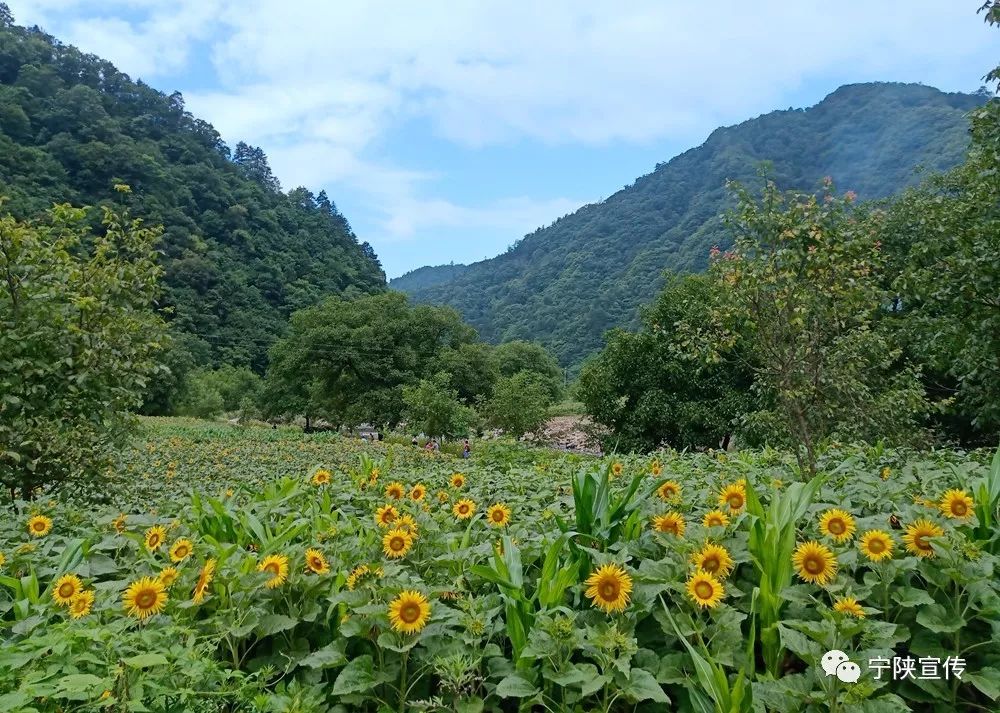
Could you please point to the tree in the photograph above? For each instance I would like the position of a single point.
(645, 388)
(519, 403)
(433, 407)
(78, 341)
(518, 355)
(799, 296)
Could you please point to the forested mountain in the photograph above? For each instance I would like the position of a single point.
(239, 254)
(566, 284)
(426, 277)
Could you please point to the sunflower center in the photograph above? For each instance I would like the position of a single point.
(409, 612)
(813, 565)
(66, 590)
(837, 526)
(498, 516)
(145, 599)
(181, 551)
(710, 564)
(609, 590)
(463, 509)
(272, 568)
(959, 508)
(704, 590)
(396, 544)
(920, 542)
(154, 540)
(714, 521)
(735, 501)
(38, 526)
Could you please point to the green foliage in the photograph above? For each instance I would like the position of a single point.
(645, 388)
(519, 404)
(800, 295)
(78, 339)
(434, 408)
(566, 284)
(239, 255)
(518, 356)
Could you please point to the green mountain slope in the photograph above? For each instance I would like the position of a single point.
(239, 254)
(566, 284)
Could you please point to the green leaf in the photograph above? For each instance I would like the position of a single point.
(937, 619)
(145, 661)
(516, 686)
(329, 656)
(274, 623)
(643, 687)
(357, 677)
(986, 681)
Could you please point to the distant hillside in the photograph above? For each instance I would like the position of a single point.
(425, 277)
(566, 284)
(239, 254)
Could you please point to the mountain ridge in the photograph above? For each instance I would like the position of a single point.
(565, 284)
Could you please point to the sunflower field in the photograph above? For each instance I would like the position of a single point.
(221, 568)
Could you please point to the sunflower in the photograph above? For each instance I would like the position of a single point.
(671, 490)
(81, 604)
(956, 504)
(394, 490)
(386, 515)
(155, 537)
(705, 589)
(498, 515)
(321, 477)
(167, 576)
(616, 469)
(837, 525)
(464, 509)
(181, 550)
(119, 523)
(655, 468)
(672, 524)
(443, 496)
(715, 518)
(714, 560)
(609, 588)
(355, 576)
(316, 562)
(406, 522)
(458, 481)
(409, 612)
(65, 588)
(39, 525)
(876, 545)
(205, 578)
(396, 543)
(849, 606)
(373, 475)
(815, 562)
(885, 472)
(734, 496)
(277, 567)
(3, 559)
(144, 598)
(917, 535)
(417, 492)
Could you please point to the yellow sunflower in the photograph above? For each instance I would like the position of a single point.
(498, 515)
(406, 522)
(181, 550)
(733, 496)
(3, 559)
(277, 567)
(458, 481)
(956, 504)
(394, 490)
(321, 477)
(849, 606)
(713, 559)
(39, 525)
(671, 490)
(373, 475)
(705, 589)
(655, 468)
(876, 545)
(715, 518)
(81, 604)
(119, 523)
(155, 537)
(409, 612)
(386, 515)
(167, 576)
(464, 509)
(417, 492)
(144, 598)
(609, 587)
(65, 588)
(616, 469)
(355, 576)
(815, 562)
(205, 578)
(837, 525)
(885, 472)
(316, 562)
(443, 496)
(672, 523)
(396, 543)
(918, 535)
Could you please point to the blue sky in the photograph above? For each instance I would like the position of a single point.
(446, 131)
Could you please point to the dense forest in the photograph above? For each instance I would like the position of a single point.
(239, 254)
(566, 284)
